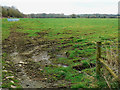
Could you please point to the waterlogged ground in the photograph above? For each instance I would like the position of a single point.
(29, 62)
(54, 53)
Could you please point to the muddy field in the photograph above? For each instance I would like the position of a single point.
(27, 57)
(54, 53)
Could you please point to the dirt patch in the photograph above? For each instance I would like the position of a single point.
(30, 71)
(29, 56)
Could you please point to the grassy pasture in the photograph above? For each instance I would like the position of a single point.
(77, 37)
(81, 28)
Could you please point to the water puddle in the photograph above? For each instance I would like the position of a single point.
(43, 55)
(61, 65)
(61, 56)
(16, 58)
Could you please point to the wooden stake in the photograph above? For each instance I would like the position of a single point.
(98, 66)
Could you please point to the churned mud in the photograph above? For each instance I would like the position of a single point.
(29, 56)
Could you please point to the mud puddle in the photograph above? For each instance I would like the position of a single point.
(23, 72)
(29, 58)
(42, 57)
(62, 65)
(29, 72)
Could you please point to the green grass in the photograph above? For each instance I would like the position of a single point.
(81, 33)
(81, 28)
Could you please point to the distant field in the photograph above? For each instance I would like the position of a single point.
(76, 38)
(57, 28)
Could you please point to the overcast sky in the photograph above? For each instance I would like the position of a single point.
(64, 6)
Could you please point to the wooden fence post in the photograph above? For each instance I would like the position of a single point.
(98, 65)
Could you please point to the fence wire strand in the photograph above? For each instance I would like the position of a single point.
(110, 56)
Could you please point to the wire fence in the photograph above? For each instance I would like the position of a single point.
(111, 56)
(107, 63)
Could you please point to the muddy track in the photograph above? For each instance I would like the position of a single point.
(25, 53)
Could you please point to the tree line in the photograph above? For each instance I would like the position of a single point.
(14, 12)
(98, 15)
(44, 15)
(53, 15)
(11, 12)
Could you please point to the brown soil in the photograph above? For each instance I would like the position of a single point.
(23, 66)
